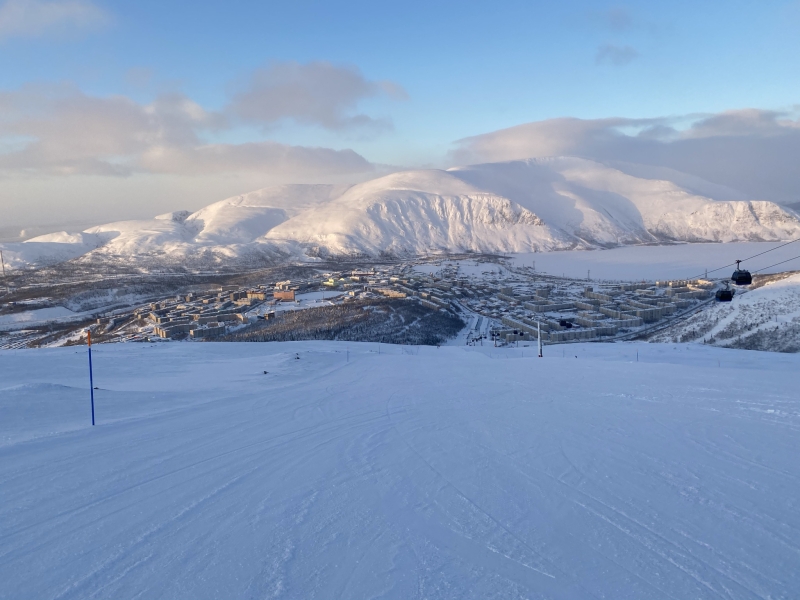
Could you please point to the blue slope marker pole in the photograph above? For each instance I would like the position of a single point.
(91, 382)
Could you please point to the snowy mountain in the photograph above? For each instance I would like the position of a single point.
(546, 204)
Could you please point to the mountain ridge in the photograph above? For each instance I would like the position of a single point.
(555, 203)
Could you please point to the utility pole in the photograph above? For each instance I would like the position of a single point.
(8, 291)
(91, 381)
(539, 336)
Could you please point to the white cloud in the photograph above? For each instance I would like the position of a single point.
(34, 18)
(317, 93)
(296, 162)
(751, 150)
(615, 55)
(617, 18)
(59, 130)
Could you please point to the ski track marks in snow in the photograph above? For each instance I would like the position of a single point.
(439, 474)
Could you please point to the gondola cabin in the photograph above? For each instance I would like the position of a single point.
(740, 276)
(725, 295)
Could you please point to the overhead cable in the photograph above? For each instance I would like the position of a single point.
(748, 258)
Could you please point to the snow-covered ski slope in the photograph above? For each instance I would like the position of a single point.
(558, 203)
(414, 473)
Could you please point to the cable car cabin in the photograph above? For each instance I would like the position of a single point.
(740, 276)
(724, 295)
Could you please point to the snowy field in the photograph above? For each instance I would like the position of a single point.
(34, 317)
(416, 473)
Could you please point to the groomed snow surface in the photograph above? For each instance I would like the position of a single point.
(413, 473)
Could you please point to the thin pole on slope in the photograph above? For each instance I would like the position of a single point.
(539, 336)
(91, 379)
(3, 264)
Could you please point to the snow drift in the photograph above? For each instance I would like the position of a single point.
(559, 203)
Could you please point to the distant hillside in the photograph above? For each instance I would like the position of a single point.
(764, 318)
(556, 203)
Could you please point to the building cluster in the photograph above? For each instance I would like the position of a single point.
(605, 311)
(519, 303)
(203, 316)
(513, 303)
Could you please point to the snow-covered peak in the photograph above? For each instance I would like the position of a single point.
(179, 216)
(538, 204)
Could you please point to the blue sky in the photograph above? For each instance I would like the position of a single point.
(452, 70)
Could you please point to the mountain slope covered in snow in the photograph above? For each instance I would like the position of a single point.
(556, 203)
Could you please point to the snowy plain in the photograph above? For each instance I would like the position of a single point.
(598, 471)
(35, 316)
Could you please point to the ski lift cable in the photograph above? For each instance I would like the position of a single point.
(778, 263)
(748, 258)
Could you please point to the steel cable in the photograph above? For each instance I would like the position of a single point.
(749, 258)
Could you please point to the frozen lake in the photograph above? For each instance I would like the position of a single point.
(661, 262)
(629, 263)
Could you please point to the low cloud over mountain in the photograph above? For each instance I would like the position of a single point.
(754, 151)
